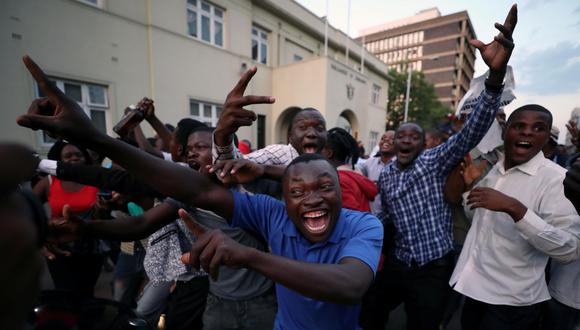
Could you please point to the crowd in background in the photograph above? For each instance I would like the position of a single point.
(201, 231)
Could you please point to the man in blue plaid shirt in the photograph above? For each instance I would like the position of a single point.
(417, 270)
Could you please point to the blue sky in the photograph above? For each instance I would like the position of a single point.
(546, 59)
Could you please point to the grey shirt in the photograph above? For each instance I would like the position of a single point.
(232, 284)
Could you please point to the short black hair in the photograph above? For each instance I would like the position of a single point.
(306, 158)
(421, 130)
(298, 113)
(183, 130)
(170, 127)
(56, 150)
(344, 147)
(530, 107)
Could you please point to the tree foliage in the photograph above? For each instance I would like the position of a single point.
(424, 108)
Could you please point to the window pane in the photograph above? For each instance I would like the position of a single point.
(194, 109)
(254, 32)
(218, 111)
(98, 119)
(97, 95)
(264, 36)
(263, 53)
(207, 111)
(218, 12)
(205, 7)
(218, 33)
(73, 91)
(192, 2)
(205, 28)
(254, 50)
(192, 23)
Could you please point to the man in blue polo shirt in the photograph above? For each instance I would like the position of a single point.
(323, 259)
(314, 234)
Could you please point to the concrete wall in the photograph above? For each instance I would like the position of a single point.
(141, 48)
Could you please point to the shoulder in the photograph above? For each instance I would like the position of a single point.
(552, 171)
(356, 221)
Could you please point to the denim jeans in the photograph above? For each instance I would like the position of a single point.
(256, 313)
(129, 274)
(153, 301)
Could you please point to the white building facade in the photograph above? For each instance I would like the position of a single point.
(187, 55)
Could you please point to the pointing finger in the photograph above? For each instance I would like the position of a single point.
(242, 84)
(511, 19)
(193, 226)
(477, 44)
(47, 87)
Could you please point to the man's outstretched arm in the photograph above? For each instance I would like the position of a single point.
(62, 117)
(344, 282)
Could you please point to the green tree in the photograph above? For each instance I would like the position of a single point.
(424, 108)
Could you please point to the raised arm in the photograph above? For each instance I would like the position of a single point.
(144, 144)
(234, 116)
(496, 56)
(63, 117)
(148, 106)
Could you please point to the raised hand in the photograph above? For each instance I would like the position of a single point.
(237, 171)
(494, 200)
(56, 114)
(234, 115)
(212, 249)
(69, 228)
(148, 107)
(496, 54)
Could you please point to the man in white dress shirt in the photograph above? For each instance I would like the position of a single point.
(520, 219)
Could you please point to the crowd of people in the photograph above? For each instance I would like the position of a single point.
(205, 233)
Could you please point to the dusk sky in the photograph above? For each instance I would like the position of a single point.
(546, 59)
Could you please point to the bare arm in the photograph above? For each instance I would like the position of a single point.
(127, 229)
(40, 190)
(64, 118)
(345, 282)
(144, 144)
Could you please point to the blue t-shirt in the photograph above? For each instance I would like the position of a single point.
(356, 234)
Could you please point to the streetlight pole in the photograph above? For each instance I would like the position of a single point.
(407, 93)
(410, 71)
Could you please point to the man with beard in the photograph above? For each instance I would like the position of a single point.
(417, 271)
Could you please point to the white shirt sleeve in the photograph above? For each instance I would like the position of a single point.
(167, 156)
(48, 166)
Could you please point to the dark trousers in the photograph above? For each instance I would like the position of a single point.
(479, 315)
(424, 291)
(187, 303)
(560, 317)
(77, 273)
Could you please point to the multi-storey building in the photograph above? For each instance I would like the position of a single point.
(187, 55)
(428, 42)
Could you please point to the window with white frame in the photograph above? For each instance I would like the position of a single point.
(373, 140)
(207, 113)
(376, 93)
(95, 3)
(92, 98)
(205, 22)
(259, 45)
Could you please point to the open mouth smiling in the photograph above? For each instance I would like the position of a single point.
(316, 222)
(310, 148)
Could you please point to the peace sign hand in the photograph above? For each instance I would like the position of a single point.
(234, 115)
(497, 53)
(56, 114)
(213, 248)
